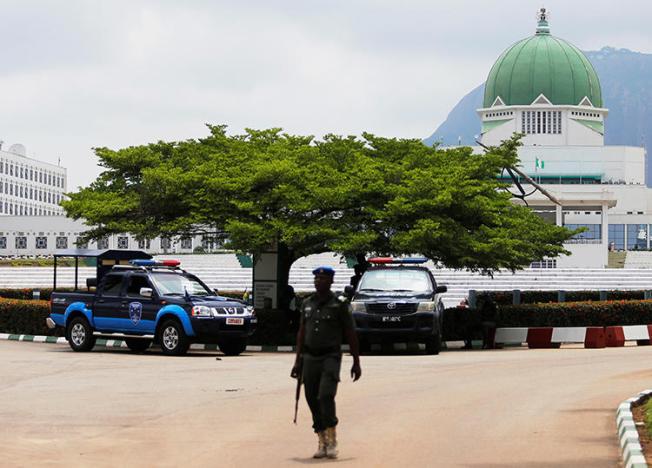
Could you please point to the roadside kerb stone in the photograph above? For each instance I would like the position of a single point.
(118, 343)
(632, 452)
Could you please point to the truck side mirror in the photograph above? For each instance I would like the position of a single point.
(146, 292)
(91, 283)
(349, 291)
(441, 289)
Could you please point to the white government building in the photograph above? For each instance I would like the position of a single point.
(546, 89)
(29, 187)
(33, 223)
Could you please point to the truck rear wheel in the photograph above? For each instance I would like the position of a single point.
(233, 347)
(173, 339)
(80, 334)
(137, 345)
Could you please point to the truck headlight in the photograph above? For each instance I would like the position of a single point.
(426, 307)
(201, 311)
(358, 307)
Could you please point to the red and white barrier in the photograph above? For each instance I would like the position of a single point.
(592, 337)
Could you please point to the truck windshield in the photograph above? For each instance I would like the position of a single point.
(172, 284)
(395, 280)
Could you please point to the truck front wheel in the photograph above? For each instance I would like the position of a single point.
(233, 347)
(80, 334)
(173, 339)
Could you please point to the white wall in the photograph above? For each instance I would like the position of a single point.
(572, 132)
(584, 256)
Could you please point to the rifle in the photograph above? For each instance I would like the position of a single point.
(297, 394)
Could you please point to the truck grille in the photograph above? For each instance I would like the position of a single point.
(392, 308)
(228, 310)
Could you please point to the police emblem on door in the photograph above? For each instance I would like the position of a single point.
(135, 312)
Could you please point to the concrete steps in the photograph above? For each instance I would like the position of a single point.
(225, 273)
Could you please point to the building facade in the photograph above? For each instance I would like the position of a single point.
(29, 187)
(546, 89)
(27, 236)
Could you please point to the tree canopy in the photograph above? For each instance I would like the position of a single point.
(342, 194)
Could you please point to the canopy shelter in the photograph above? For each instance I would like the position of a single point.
(105, 260)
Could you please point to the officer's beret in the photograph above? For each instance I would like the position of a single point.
(324, 270)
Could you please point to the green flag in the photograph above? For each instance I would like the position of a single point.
(539, 163)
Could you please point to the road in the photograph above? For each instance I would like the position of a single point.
(502, 408)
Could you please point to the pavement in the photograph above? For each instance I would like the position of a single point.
(492, 408)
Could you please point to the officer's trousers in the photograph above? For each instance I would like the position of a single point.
(321, 375)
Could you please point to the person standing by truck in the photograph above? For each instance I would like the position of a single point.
(325, 323)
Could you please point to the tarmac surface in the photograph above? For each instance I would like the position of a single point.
(500, 408)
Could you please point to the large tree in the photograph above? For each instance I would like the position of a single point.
(341, 194)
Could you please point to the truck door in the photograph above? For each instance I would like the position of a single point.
(108, 303)
(140, 311)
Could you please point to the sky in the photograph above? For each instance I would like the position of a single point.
(80, 74)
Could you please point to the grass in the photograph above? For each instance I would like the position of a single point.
(617, 259)
(648, 417)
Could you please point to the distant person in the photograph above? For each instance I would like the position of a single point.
(358, 269)
(288, 304)
(487, 308)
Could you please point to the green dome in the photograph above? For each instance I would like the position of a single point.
(542, 64)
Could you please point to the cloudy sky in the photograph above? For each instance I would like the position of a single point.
(81, 74)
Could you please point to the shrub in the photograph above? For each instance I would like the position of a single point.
(23, 317)
(575, 314)
(534, 297)
(27, 293)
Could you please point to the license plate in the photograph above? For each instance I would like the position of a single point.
(391, 318)
(234, 321)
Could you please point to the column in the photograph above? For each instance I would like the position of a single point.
(559, 215)
(605, 225)
(605, 234)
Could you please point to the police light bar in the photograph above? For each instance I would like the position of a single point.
(143, 262)
(390, 260)
(152, 263)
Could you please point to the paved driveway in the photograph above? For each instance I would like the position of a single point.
(505, 408)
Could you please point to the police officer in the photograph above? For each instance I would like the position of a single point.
(325, 323)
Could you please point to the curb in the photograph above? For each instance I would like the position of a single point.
(108, 343)
(632, 453)
(591, 337)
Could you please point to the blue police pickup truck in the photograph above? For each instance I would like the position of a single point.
(148, 301)
(398, 299)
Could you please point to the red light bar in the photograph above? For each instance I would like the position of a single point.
(381, 260)
(171, 263)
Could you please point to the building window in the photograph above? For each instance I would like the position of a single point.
(41, 242)
(144, 244)
(62, 242)
(21, 242)
(3, 242)
(636, 236)
(617, 236)
(593, 231)
(545, 263)
(541, 122)
(186, 243)
(103, 243)
(80, 244)
(123, 242)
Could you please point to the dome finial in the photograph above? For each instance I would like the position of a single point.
(543, 27)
